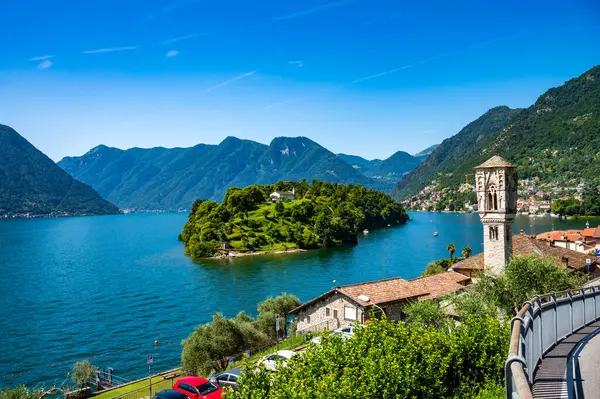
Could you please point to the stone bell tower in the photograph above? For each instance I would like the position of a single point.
(496, 187)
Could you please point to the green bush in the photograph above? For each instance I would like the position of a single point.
(390, 360)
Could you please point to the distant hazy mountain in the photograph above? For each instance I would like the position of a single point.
(161, 178)
(557, 139)
(389, 170)
(426, 152)
(31, 183)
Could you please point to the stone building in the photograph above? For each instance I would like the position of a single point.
(496, 188)
(345, 305)
(277, 196)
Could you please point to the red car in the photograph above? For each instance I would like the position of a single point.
(197, 388)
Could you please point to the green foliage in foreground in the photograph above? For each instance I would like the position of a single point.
(20, 392)
(210, 344)
(390, 360)
(324, 215)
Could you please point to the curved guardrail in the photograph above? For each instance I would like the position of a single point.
(541, 324)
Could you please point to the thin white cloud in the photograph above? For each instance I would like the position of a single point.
(172, 53)
(111, 49)
(181, 38)
(313, 10)
(298, 63)
(45, 64)
(41, 58)
(225, 83)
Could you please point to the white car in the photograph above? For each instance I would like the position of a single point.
(270, 361)
(348, 331)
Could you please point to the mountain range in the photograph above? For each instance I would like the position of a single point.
(30, 182)
(557, 139)
(171, 179)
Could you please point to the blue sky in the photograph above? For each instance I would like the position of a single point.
(366, 77)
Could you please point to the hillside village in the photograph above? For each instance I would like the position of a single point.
(534, 197)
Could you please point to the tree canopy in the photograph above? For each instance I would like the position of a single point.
(210, 345)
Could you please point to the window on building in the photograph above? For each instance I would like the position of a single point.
(327, 312)
(307, 319)
(492, 199)
(496, 233)
(335, 314)
(350, 313)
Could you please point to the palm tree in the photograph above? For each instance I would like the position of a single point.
(467, 252)
(451, 248)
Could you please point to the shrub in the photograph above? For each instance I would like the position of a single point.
(390, 360)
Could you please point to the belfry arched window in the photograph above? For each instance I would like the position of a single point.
(492, 199)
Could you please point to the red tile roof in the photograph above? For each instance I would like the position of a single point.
(397, 289)
(524, 245)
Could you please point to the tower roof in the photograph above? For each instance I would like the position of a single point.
(496, 162)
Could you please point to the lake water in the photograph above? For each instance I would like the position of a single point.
(109, 286)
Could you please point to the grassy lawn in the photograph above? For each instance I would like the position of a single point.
(140, 389)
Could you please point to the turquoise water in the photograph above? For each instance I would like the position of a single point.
(75, 288)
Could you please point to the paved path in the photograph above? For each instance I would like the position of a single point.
(552, 379)
(589, 363)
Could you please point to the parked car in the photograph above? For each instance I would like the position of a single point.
(348, 331)
(170, 394)
(270, 361)
(197, 388)
(228, 378)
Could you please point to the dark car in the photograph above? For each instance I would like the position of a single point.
(170, 394)
(227, 378)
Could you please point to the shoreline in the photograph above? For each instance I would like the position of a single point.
(234, 254)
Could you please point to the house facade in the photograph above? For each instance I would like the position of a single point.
(278, 196)
(346, 305)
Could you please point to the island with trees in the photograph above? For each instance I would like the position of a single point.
(321, 215)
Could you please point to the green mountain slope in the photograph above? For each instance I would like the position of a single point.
(170, 179)
(30, 182)
(449, 156)
(557, 139)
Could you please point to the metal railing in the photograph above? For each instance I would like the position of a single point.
(538, 327)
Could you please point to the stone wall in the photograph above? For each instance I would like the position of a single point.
(497, 244)
(317, 318)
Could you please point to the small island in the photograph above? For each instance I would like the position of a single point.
(286, 216)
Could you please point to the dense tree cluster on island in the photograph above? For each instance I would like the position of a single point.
(322, 215)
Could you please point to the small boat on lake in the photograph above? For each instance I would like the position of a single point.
(435, 234)
(365, 231)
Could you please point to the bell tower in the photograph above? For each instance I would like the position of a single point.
(496, 187)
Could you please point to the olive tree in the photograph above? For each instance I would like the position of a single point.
(83, 372)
